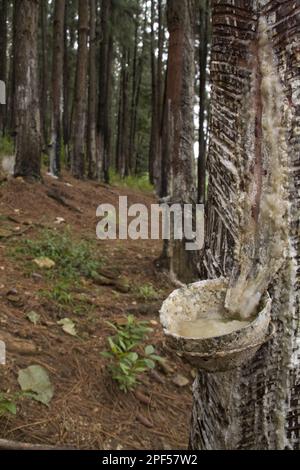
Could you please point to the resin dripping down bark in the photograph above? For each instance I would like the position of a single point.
(264, 241)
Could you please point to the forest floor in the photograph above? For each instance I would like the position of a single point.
(88, 411)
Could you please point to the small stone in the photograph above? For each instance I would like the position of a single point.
(180, 380)
(37, 276)
(59, 220)
(12, 292)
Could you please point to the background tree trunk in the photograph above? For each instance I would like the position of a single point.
(105, 76)
(203, 50)
(44, 74)
(256, 406)
(3, 57)
(57, 86)
(26, 99)
(178, 132)
(78, 151)
(94, 170)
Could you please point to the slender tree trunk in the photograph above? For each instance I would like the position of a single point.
(3, 57)
(179, 126)
(255, 82)
(44, 72)
(123, 127)
(57, 86)
(109, 88)
(94, 170)
(131, 151)
(26, 102)
(138, 84)
(78, 155)
(105, 65)
(66, 89)
(203, 49)
(154, 118)
(159, 97)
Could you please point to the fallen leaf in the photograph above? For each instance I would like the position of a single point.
(44, 262)
(36, 379)
(68, 326)
(33, 317)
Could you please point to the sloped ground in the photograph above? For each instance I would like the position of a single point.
(87, 410)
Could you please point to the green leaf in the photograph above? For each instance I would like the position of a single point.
(133, 357)
(154, 357)
(149, 350)
(149, 363)
(106, 354)
(7, 406)
(36, 379)
(124, 368)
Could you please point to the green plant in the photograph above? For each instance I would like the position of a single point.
(128, 356)
(58, 294)
(72, 258)
(6, 146)
(7, 404)
(147, 292)
(140, 182)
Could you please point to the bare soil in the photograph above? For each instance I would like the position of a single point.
(88, 411)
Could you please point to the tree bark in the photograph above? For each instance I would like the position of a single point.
(134, 88)
(178, 131)
(154, 117)
(257, 405)
(123, 124)
(44, 74)
(57, 86)
(94, 169)
(3, 57)
(203, 50)
(26, 99)
(105, 76)
(78, 151)
(156, 79)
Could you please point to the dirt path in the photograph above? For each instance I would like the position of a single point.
(87, 410)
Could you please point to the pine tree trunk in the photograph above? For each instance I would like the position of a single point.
(78, 151)
(66, 89)
(105, 76)
(257, 405)
(154, 118)
(44, 72)
(94, 169)
(26, 99)
(10, 89)
(3, 58)
(203, 50)
(123, 125)
(178, 132)
(57, 86)
(159, 95)
(131, 151)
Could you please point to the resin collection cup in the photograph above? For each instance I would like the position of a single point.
(217, 353)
